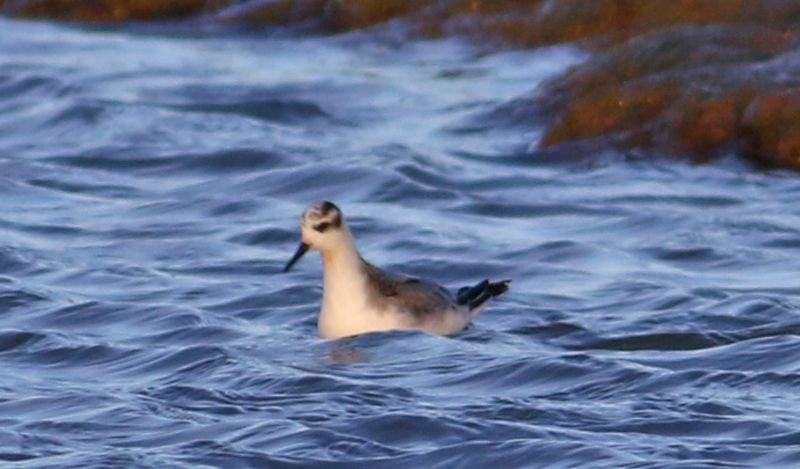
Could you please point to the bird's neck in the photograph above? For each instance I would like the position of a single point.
(344, 284)
(343, 260)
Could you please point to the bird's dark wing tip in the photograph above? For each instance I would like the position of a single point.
(481, 291)
(498, 288)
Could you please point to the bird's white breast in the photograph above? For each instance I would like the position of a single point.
(346, 307)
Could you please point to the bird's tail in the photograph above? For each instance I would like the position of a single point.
(475, 297)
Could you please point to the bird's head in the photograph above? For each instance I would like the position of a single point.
(322, 227)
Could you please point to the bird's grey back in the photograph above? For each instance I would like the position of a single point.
(421, 298)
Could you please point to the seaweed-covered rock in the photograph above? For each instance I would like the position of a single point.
(108, 11)
(695, 91)
(773, 124)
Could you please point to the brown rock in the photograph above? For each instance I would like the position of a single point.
(773, 123)
(525, 23)
(683, 91)
(108, 11)
(704, 127)
(345, 15)
(622, 111)
(283, 12)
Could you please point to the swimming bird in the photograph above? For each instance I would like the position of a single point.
(358, 297)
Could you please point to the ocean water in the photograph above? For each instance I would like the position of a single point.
(150, 190)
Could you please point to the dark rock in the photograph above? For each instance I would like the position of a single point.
(694, 91)
(108, 11)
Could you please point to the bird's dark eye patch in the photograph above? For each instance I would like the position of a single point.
(321, 227)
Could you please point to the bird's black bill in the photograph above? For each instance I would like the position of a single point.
(302, 249)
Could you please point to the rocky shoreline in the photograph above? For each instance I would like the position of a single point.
(690, 78)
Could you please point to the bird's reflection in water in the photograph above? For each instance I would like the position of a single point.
(346, 351)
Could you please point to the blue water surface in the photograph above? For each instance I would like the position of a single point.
(150, 191)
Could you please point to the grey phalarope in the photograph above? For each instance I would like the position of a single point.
(358, 297)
